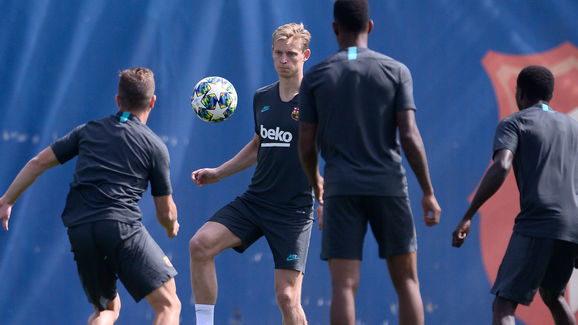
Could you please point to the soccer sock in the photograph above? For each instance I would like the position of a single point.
(204, 314)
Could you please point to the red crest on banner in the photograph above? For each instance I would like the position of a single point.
(497, 215)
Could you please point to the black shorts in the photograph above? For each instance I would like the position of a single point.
(531, 263)
(107, 250)
(287, 231)
(345, 221)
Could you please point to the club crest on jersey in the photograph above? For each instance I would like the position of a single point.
(497, 215)
(295, 113)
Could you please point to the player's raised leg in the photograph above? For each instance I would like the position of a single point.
(107, 316)
(165, 303)
(288, 293)
(211, 239)
(344, 283)
(403, 273)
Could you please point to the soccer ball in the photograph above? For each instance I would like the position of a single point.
(214, 99)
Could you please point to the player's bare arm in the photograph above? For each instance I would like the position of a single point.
(489, 185)
(244, 159)
(414, 150)
(166, 211)
(308, 155)
(26, 177)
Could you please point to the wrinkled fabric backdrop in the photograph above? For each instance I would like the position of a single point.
(58, 68)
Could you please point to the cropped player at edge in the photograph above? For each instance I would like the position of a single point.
(117, 157)
(542, 147)
(352, 104)
(278, 203)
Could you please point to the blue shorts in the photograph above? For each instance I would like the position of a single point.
(345, 220)
(287, 231)
(107, 250)
(531, 263)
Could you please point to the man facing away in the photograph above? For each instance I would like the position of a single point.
(117, 157)
(542, 144)
(278, 203)
(352, 104)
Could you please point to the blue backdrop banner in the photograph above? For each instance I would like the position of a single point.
(59, 64)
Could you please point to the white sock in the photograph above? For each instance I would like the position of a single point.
(204, 314)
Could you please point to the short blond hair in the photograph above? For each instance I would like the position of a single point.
(295, 30)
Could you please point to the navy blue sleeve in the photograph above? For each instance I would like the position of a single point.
(404, 96)
(66, 147)
(507, 135)
(307, 103)
(160, 177)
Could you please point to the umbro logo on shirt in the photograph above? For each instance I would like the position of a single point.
(265, 108)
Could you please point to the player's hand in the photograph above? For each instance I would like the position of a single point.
(318, 189)
(5, 211)
(319, 213)
(462, 230)
(174, 230)
(431, 210)
(205, 176)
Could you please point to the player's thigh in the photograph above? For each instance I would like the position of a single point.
(240, 219)
(288, 234)
(402, 268)
(560, 267)
(94, 267)
(143, 266)
(392, 224)
(344, 228)
(523, 268)
(212, 238)
(344, 272)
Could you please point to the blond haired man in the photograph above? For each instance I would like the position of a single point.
(278, 203)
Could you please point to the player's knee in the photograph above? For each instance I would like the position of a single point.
(406, 284)
(503, 307)
(175, 305)
(348, 284)
(198, 250)
(170, 305)
(286, 299)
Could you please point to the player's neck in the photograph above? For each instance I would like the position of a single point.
(289, 87)
(143, 116)
(346, 40)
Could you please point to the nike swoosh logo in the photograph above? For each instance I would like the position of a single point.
(265, 108)
(292, 257)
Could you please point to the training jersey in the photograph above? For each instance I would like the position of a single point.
(353, 96)
(117, 157)
(279, 178)
(545, 148)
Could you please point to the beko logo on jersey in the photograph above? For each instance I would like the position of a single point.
(276, 134)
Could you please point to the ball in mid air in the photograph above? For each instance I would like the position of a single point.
(214, 99)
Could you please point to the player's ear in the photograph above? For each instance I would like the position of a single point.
(370, 26)
(335, 28)
(153, 100)
(117, 100)
(306, 54)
